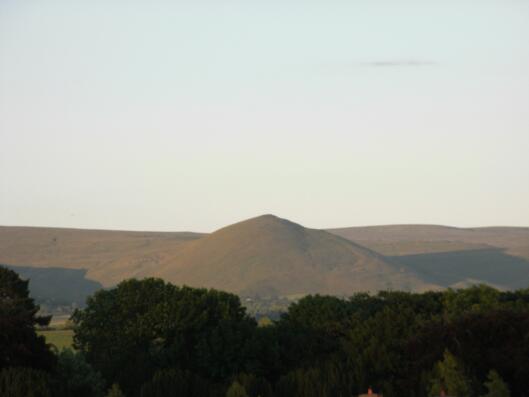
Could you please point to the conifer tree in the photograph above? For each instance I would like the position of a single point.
(496, 386)
(236, 390)
(115, 391)
(450, 378)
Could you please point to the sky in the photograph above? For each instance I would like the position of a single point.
(191, 115)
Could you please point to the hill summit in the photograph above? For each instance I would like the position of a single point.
(268, 255)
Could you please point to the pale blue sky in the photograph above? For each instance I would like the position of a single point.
(190, 115)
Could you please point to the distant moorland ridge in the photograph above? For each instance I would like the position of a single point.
(270, 256)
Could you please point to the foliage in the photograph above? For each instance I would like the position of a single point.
(495, 339)
(155, 339)
(175, 382)
(379, 343)
(264, 321)
(139, 327)
(326, 380)
(19, 343)
(496, 386)
(254, 386)
(450, 378)
(236, 390)
(76, 378)
(27, 382)
(479, 298)
(115, 391)
(311, 330)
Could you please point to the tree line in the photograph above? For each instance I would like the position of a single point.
(151, 338)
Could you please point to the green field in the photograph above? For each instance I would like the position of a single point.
(60, 338)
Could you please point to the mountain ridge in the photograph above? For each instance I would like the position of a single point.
(269, 255)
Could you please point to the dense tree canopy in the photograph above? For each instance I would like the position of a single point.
(164, 337)
(139, 327)
(151, 338)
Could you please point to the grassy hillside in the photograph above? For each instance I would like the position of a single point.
(60, 338)
(452, 257)
(107, 256)
(420, 239)
(272, 256)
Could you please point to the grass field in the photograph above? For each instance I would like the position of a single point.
(60, 338)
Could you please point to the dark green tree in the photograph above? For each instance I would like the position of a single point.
(115, 391)
(131, 331)
(236, 390)
(311, 331)
(303, 383)
(376, 351)
(255, 386)
(479, 298)
(20, 346)
(24, 382)
(481, 340)
(175, 382)
(263, 354)
(329, 379)
(449, 377)
(496, 386)
(75, 377)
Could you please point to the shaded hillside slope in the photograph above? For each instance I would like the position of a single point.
(108, 256)
(418, 239)
(45, 283)
(272, 256)
(450, 256)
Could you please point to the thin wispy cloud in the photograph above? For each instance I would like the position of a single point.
(397, 63)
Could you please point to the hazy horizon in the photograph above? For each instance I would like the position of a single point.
(192, 116)
(257, 216)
